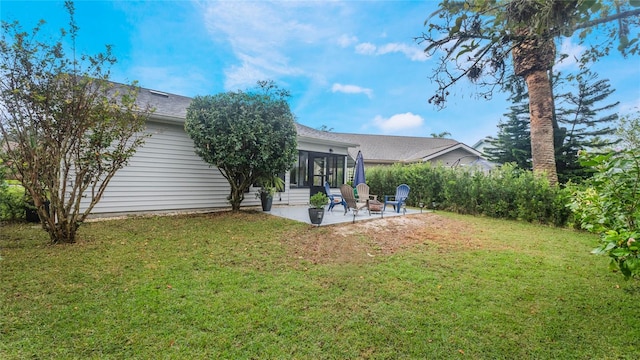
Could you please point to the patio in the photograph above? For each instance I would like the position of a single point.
(337, 216)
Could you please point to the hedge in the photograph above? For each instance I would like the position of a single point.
(505, 192)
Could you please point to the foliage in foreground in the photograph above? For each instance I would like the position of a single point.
(610, 206)
(506, 192)
(249, 136)
(241, 286)
(68, 130)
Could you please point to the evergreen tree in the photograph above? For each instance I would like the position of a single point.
(584, 127)
(513, 142)
(485, 41)
(577, 125)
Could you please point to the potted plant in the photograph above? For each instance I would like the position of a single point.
(316, 207)
(268, 187)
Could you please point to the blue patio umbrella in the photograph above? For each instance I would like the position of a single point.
(358, 175)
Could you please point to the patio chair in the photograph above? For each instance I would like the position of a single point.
(363, 193)
(397, 200)
(333, 199)
(350, 200)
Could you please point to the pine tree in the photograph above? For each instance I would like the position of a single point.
(513, 142)
(580, 114)
(577, 125)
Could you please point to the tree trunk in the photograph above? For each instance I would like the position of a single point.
(533, 56)
(235, 198)
(541, 118)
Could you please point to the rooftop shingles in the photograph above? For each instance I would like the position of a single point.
(165, 104)
(375, 148)
(390, 148)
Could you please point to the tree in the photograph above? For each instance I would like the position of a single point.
(578, 125)
(479, 38)
(247, 135)
(513, 141)
(68, 129)
(610, 206)
(583, 125)
(325, 128)
(629, 130)
(440, 135)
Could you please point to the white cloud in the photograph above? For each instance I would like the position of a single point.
(398, 122)
(366, 49)
(574, 51)
(351, 89)
(412, 52)
(263, 37)
(345, 40)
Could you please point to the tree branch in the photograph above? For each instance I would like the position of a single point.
(606, 19)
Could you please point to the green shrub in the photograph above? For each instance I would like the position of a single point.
(609, 205)
(11, 198)
(318, 200)
(506, 192)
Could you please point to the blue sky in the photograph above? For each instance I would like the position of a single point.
(352, 66)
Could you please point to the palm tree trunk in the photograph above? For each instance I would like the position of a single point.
(533, 56)
(541, 119)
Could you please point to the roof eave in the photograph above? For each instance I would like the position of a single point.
(452, 148)
(168, 119)
(315, 140)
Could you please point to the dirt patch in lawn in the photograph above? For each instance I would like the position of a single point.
(369, 239)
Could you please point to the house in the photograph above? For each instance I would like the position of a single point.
(165, 174)
(387, 150)
(482, 145)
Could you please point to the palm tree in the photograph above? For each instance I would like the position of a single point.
(533, 56)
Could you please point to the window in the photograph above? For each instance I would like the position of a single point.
(299, 173)
(335, 168)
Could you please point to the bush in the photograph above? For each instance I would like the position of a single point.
(318, 201)
(12, 203)
(506, 192)
(610, 206)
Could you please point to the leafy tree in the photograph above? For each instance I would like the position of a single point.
(629, 130)
(610, 204)
(325, 128)
(441, 135)
(248, 136)
(485, 40)
(68, 129)
(610, 207)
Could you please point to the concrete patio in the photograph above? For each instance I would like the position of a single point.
(337, 216)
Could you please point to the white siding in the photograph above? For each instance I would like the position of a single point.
(165, 174)
(451, 158)
(299, 196)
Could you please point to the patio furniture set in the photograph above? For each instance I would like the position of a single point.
(358, 198)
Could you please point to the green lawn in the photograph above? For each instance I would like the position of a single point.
(239, 287)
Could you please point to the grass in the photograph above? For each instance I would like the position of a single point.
(236, 286)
